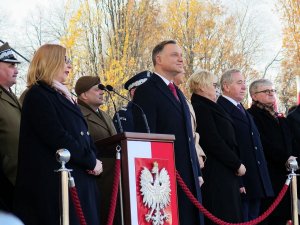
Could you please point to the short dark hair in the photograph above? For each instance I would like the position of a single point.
(158, 48)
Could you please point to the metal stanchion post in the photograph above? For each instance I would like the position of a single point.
(118, 157)
(63, 156)
(292, 166)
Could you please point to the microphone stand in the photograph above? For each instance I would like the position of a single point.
(102, 87)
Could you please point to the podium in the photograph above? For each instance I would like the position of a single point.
(148, 178)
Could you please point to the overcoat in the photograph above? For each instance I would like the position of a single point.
(256, 180)
(293, 119)
(101, 126)
(50, 122)
(10, 116)
(277, 142)
(166, 115)
(221, 184)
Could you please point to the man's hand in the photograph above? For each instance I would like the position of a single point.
(243, 190)
(241, 171)
(98, 168)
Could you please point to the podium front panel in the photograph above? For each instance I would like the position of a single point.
(149, 169)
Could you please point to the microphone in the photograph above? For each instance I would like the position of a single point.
(103, 88)
(110, 88)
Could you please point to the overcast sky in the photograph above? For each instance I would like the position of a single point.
(16, 12)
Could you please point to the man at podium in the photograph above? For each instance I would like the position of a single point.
(168, 113)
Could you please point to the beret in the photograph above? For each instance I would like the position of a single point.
(85, 83)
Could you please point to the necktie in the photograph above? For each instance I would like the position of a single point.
(241, 108)
(173, 90)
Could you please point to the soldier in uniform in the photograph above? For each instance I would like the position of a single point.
(126, 111)
(100, 125)
(90, 98)
(10, 116)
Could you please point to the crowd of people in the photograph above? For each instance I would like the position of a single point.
(232, 159)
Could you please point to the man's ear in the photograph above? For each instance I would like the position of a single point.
(225, 87)
(83, 96)
(158, 59)
(253, 97)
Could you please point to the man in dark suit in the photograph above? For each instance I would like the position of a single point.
(256, 183)
(168, 113)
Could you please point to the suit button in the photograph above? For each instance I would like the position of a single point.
(88, 133)
(189, 139)
(81, 133)
(252, 133)
(255, 148)
(258, 162)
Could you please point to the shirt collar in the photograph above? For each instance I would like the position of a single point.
(231, 100)
(163, 78)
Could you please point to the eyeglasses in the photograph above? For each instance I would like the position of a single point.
(68, 60)
(215, 85)
(267, 91)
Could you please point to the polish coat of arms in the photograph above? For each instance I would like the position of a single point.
(155, 191)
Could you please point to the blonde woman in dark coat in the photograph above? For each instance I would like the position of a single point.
(51, 120)
(222, 170)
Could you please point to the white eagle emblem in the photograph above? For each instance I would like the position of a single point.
(156, 193)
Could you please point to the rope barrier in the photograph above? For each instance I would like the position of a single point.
(76, 202)
(216, 220)
(113, 201)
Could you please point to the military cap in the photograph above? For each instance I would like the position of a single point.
(85, 83)
(137, 80)
(7, 54)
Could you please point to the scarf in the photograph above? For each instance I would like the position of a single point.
(62, 89)
(267, 108)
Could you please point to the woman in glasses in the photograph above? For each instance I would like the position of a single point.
(276, 139)
(51, 120)
(223, 166)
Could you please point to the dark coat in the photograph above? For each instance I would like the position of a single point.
(221, 184)
(293, 119)
(126, 118)
(277, 142)
(256, 180)
(167, 116)
(50, 122)
(10, 116)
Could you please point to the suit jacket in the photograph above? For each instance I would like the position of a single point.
(50, 122)
(10, 116)
(256, 180)
(126, 118)
(167, 116)
(221, 185)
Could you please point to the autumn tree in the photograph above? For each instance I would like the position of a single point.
(211, 38)
(291, 51)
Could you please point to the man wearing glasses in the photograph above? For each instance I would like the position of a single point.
(10, 116)
(256, 184)
(277, 141)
